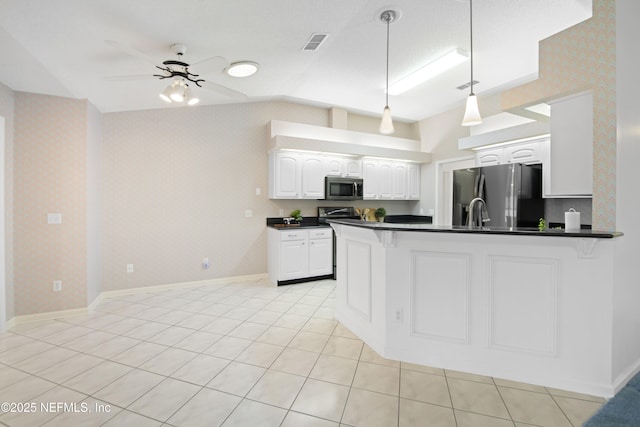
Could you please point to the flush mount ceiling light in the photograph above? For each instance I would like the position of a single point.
(242, 69)
(429, 71)
(386, 125)
(471, 112)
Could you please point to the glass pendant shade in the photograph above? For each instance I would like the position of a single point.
(471, 113)
(191, 100)
(165, 95)
(177, 93)
(386, 125)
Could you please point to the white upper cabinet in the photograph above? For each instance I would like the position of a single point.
(352, 167)
(371, 179)
(522, 152)
(413, 181)
(333, 166)
(400, 180)
(390, 180)
(298, 175)
(313, 173)
(285, 181)
(526, 152)
(569, 172)
(490, 157)
(342, 166)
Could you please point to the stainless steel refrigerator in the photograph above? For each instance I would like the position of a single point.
(511, 195)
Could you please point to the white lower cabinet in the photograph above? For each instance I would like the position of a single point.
(300, 253)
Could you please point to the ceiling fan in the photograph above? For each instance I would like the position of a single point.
(180, 74)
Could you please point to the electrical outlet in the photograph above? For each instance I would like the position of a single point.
(205, 263)
(129, 268)
(258, 191)
(398, 315)
(248, 213)
(281, 212)
(57, 285)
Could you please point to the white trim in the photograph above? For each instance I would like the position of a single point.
(3, 273)
(440, 215)
(49, 315)
(158, 288)
(109, 294)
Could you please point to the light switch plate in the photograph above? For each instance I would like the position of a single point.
(54, 218)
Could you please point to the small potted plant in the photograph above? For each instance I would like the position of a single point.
(380, 213)
(296, 215)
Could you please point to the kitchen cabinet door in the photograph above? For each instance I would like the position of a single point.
(293, 259)
(320, 257)
(313, 174)
(333, 166)
(284, 175)
(413, 181)
(489, 157)
(569, 171)
(400, 181)
(386, 180)
(527, 152)
(353, 167)
(371, 179)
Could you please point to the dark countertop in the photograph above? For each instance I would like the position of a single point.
(297, 226)
(487, 230)
(309, 222)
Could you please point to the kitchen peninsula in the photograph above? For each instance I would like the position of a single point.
(523, 305)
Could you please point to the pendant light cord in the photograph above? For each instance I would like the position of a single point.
(386, 103)
(471, 40)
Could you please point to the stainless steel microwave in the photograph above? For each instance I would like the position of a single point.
(338, 188)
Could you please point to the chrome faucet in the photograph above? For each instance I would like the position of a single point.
(484, 216)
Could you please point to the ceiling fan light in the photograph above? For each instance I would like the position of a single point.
(165, 95)
(177, 92)
(188, 96)
(386, 125)
(242, 69)
(472, 112)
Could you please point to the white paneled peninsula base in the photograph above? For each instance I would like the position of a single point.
(525, 306)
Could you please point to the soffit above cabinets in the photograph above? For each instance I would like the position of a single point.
(512, 133)
(303, 137)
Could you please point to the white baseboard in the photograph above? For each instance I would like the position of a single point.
(47, 316)
(183, 285)
(121, 292)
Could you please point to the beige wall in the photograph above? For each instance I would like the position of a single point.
(177, 183)
(158, 189)
(94, 203)
(581, 58)
(50, 174)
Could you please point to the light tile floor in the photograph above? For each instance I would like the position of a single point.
(244, 354)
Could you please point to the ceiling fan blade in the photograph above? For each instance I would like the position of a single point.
(131, 77)
(130, 51)
(223, 90)
(215, 63)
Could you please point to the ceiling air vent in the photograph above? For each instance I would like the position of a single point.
(315, 41)
(467, 84)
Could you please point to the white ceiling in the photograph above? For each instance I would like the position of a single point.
(58, 48)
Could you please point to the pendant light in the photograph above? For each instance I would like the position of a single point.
(386, 125)
(471, 112)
